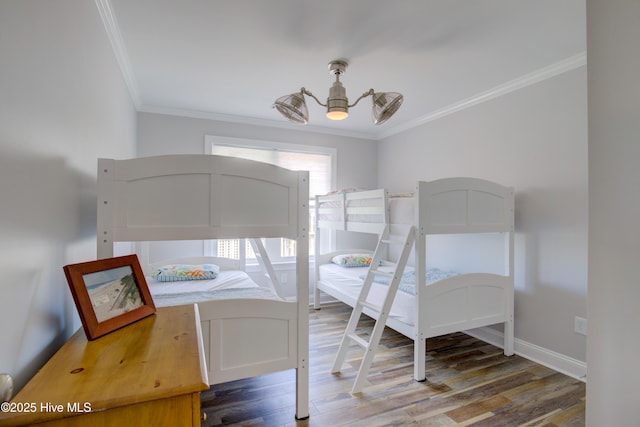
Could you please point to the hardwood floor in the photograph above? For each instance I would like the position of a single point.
(469, 383)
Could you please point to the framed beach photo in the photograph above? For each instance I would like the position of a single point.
(109, 293)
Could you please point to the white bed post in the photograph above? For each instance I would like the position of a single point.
(302, 275)
(105, 210)
(509, 331)
(420, 340)
(143, 250)
(316, 266)
(508, 324)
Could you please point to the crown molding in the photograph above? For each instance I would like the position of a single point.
(117, 44)
(568, 64)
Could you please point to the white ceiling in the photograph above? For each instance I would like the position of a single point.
(230, 59)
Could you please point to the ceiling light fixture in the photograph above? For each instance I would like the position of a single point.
(294, 106)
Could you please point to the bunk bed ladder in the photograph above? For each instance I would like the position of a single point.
(370, 346)
(263, 260)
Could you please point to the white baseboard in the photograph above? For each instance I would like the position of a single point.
(556, 361)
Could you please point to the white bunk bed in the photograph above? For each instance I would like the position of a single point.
(449, 302)
(248, 330)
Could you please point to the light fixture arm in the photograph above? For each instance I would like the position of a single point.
(306, 92)
(370, 92)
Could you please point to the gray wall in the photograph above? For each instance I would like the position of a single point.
(63, 104)
(164, 134)
(534, 139)
(613, 31)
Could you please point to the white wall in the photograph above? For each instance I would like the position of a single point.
(63, 104)
(613, 31)
(534, 139)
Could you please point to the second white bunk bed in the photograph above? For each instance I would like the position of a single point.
(430, 302)
(247, 329)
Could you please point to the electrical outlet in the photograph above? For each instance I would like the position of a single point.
(580, 325)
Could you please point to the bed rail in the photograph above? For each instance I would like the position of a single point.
(361, 211)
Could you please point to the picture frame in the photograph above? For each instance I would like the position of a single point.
(109, 293)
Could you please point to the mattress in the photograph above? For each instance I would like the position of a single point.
(229, 284)
(349, 281)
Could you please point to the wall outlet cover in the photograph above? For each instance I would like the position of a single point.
(580, 325)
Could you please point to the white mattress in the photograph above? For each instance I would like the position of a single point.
(349, 281)
(228, 284)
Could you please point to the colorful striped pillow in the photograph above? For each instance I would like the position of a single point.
(181, 272)
(352, 260)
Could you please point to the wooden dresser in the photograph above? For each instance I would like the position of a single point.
(149, 373)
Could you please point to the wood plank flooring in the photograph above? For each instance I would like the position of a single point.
(469, 383)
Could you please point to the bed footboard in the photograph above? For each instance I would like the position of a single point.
(469, 301)
(246, 338)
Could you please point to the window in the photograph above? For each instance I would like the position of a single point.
(319, 161)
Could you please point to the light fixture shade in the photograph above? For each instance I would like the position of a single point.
(293, 107)
(336, 113)
(385, 104)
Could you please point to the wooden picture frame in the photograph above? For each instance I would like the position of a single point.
(109, 293)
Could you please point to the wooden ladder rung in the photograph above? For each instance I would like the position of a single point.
(371, 306)
(358, 340)
(382, 273)
(397, 239)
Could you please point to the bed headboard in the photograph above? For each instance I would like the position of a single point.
(194, 197)
(464, 205)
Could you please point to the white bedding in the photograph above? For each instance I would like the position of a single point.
(349, 281)
(228, 284)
